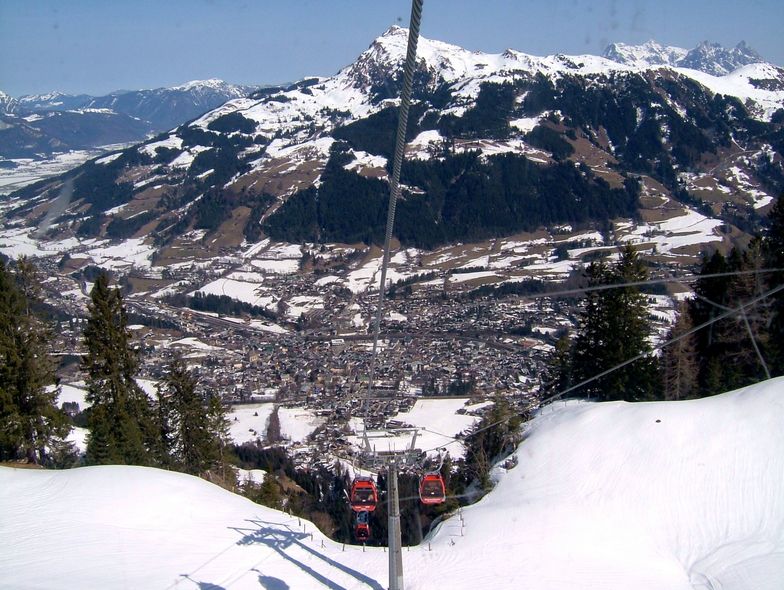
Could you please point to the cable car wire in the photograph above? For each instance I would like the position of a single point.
(731, 311)
(394, 183)
(683, 279)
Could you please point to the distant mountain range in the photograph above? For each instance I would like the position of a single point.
(38, 125)
(710, 58)
(497, 144)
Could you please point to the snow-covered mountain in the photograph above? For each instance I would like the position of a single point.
(7, 102)
(711, 58)
(165, 108)
(51, 101)
(39, 125)
(714, 59)
(554, 141)
(663, 495)
(648, 54)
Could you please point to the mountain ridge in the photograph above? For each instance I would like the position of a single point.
(38, 125)
(707, 57)
(307, 162)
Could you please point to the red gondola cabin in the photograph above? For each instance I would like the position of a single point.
(363, 494)
(431, 489)
(362, 527)
(362, 533)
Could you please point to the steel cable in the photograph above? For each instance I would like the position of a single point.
(394, 183)
(737, 310)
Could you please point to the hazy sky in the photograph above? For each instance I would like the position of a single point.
(96, 46)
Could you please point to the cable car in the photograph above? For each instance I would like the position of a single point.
(362, 527)
(431, 489)
(364, 496)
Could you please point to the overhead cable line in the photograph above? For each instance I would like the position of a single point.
(732, 311)
(749, 329)
(683, 279)
(394, 183)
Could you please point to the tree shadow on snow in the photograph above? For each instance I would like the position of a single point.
(280, 538)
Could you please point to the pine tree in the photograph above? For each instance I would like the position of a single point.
(497, 435)
(749, 340)
(732, 351)
(614, 329)
(219, 427)
(711, 299)
(120, 421)
(30, 422)
(679, 360)
(184, 427)
(274, 436)
(558, 376)
(773, 244)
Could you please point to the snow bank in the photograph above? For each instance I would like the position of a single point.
(650, 496)
(675, 495)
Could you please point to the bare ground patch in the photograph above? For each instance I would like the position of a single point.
(280, 177)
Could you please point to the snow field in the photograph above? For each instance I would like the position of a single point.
(249, 422)
(612, 496)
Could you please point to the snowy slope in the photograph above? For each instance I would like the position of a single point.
(648, 54)
(710, 58)
(668, 495)
(656, 495)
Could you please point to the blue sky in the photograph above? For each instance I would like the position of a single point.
(96, 46)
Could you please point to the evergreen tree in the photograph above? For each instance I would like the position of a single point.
(30, 422)
(774, 256)
(558, 375)
(269, 492)
(219, 427)
(497, 435)
(614, 329)
(731, 351)
(120, 421)
(184, 427)
(711, 298)
(749, 340)
(679, 360)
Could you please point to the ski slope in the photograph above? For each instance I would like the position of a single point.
(612, 496)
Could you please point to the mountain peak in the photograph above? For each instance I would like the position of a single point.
(650, 53)
(395, 30)
(7, 103)
(199, 84)
(711, 58)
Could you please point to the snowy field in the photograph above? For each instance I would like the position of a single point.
(242, 290)
(438, 423)
(612, 496)
(249, 422)
(27, 170)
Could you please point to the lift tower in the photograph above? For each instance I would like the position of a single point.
(395, 549)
